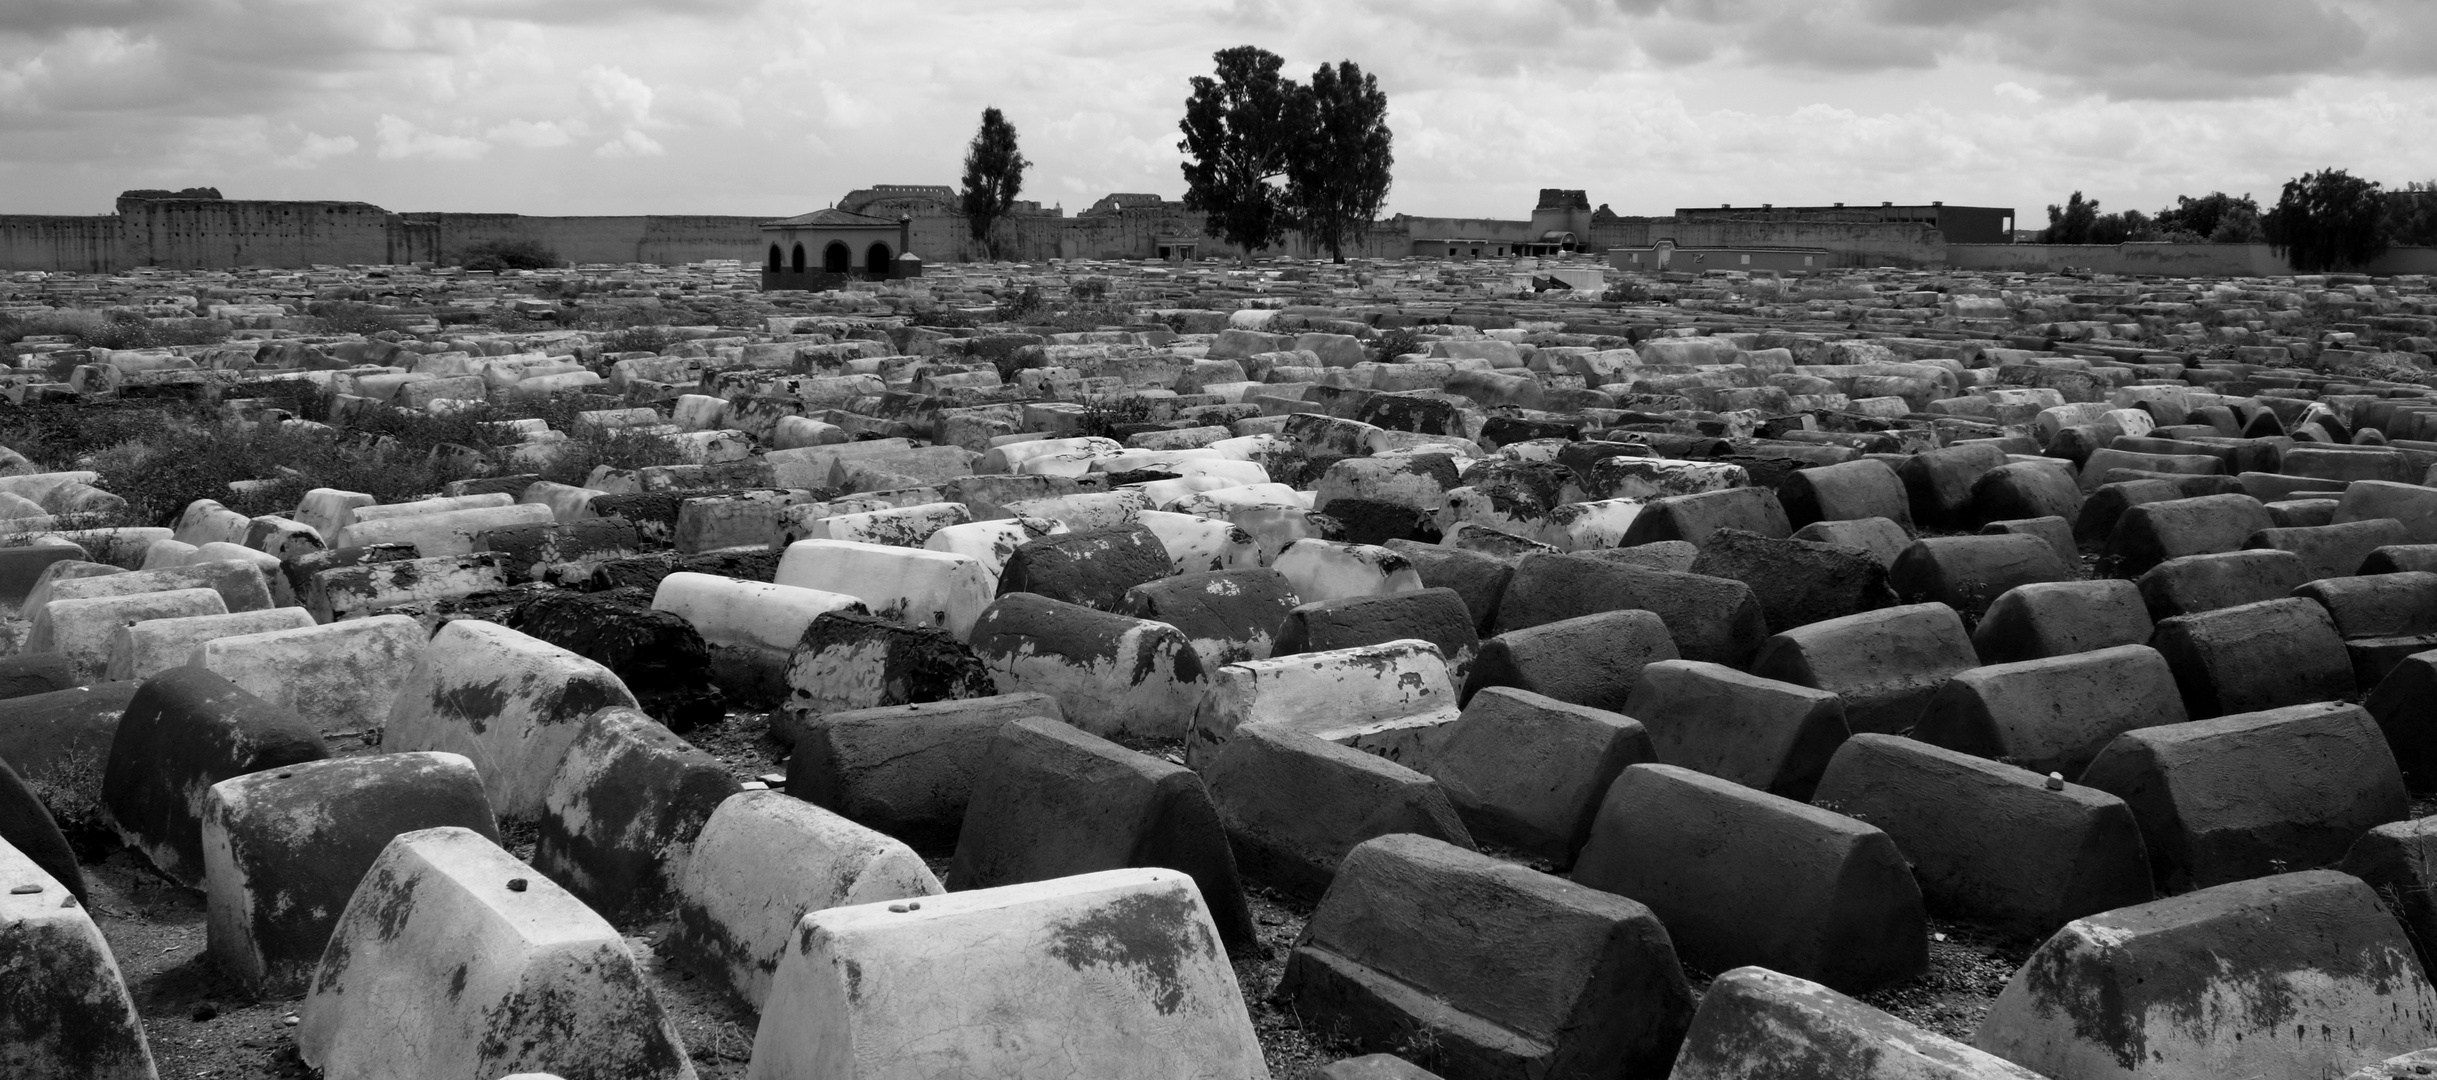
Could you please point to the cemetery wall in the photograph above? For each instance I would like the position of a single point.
(1494, 230)
(2188, 260)
(652, 238)
(1852, 243)
(1128, 234)
(208, 233)
(84, 245)
(201, 234)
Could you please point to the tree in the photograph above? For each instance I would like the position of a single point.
(2240, 225)
(1241, 130)
(2328, 220)
(994, 176)
(2216, 217)
(1337, 178)
(2118, 228)
(2070, 223)
(2411, 215)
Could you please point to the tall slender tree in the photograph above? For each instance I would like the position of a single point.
(1337, 178)
(994, 176)
(1241, 131)
(2328, 220)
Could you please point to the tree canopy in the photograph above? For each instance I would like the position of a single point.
(2072, 222)
(1241, 130)
(1337, 177)
(2328, 220)
(2411, 214)
(2216, 217)
(994, 176)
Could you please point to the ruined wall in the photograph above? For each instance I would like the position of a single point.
(1495, 230)
(80, 245)
(663, 239)
(204, 234)
(208, 234)
(1125, 234)
(1853, 243)
(2172, 260)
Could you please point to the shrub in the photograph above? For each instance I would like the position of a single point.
(1395, 343)
(1626, 292)
(1108, 417)
(651, 339)
(1072, 322)
(1090, 290)
(1022, 305)
(517, 254)
(348, 317)
(619, 448)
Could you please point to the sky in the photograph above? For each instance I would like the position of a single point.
(777, 107)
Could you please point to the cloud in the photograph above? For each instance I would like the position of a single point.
(761, 107)
(316, 149)
(400, 138)
(619, 93)
(629, 144)
(600, 12)
(532, 134)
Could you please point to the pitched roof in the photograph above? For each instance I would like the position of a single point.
(831, 217)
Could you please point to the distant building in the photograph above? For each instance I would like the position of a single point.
(1560, 224)
(1959, 224)
(874, 228)
(1121, 201)
(824, 248)
(890, 200)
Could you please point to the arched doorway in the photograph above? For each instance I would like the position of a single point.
(799, 258)
(836, 259)
(875, 260)
(774, 258)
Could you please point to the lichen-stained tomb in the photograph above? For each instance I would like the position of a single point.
(1502, 668)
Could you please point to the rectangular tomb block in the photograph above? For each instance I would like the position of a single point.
(454, 959)
(1113, 974)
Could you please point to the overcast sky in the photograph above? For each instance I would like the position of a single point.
(773, 107)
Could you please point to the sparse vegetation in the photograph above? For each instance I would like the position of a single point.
(650, 339)
(1626, 292)
(162, 456)
(118, 329)
(1395, 343)
(349, 317)
(1022, 305)
(517, 254)
(1110, 417)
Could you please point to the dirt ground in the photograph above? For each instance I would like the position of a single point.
(202, 1026)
